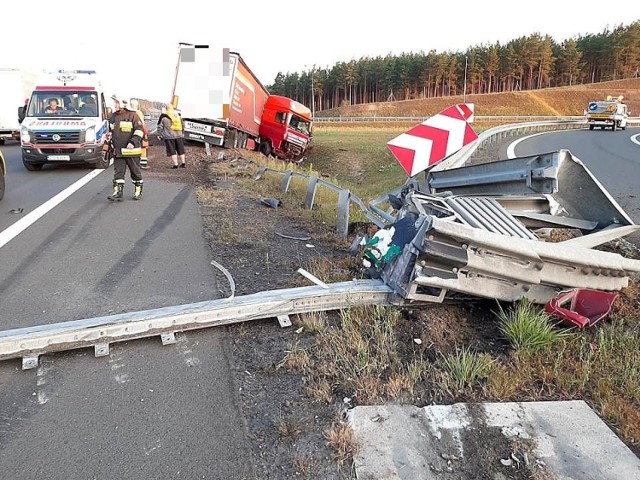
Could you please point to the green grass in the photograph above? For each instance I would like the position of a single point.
(464, 368)
(358, 158)
(528, 328)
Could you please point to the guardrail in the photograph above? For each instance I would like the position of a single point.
(478, 118)
(461, 157)
(483, 118)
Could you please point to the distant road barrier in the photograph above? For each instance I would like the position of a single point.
(483, 118)
(478, 118)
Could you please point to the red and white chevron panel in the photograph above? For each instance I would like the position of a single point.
(435, 139)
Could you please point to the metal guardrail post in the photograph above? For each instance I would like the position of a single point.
(342, 227)
(286, 180)
(311, 193)
(260, 173)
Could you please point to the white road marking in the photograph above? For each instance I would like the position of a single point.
(636, 138)
(25, 222)
(511, 149)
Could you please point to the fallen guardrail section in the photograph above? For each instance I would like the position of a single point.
(31, 342)
(474, 231)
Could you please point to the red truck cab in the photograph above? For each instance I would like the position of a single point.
(285, 128)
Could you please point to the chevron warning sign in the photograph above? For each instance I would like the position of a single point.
(435, 139)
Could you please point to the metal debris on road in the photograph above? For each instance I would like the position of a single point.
(271, 202)
(302, 238)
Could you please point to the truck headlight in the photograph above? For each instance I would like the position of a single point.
(90, 135)
(24, 135)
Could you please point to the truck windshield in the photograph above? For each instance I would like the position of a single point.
(65, 103)
(300, 124)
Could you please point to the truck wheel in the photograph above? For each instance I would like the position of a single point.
(265, 149)
(32, 167)
(613, 127)
(231, 140)
(242, 140)
(590, 127)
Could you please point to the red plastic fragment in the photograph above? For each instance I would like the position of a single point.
(585, 307)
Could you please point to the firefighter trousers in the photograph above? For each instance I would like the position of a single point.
(120, 165)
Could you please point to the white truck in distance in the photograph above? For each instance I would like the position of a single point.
(17, 86)
(610, 113)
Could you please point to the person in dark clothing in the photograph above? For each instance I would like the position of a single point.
(126, 139)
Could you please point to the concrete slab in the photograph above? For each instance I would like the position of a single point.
(493, 441)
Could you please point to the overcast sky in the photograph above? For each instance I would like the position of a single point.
(133, 44)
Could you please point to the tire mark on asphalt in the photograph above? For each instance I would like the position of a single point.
(42, 251)
(130, 261)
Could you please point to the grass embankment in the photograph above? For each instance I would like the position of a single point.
(548, 101)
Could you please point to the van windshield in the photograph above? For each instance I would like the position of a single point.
(67, 103)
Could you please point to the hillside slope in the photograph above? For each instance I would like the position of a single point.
(549, 101)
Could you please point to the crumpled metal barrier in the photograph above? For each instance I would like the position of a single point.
(445, 257)
(560, 178)
(586, 307)
(455, 234)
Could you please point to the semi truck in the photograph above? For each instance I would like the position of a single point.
(223, 103)
(75, 131)
(609, 113)
(16, 87)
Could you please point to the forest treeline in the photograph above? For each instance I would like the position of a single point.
(526, 63)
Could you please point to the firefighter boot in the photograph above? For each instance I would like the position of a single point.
(137, 191)
(117, 192)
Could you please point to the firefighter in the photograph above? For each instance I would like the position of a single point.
(145, 139)
(126, 140)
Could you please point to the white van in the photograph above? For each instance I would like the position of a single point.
(67, 121)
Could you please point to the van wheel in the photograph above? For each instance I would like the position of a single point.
(103, 162)
(265, 149)
(1, 141)
(590, 127)
(32, 167)
(613, 127)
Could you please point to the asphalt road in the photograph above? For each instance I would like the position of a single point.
(612, 157)
(145, 411)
